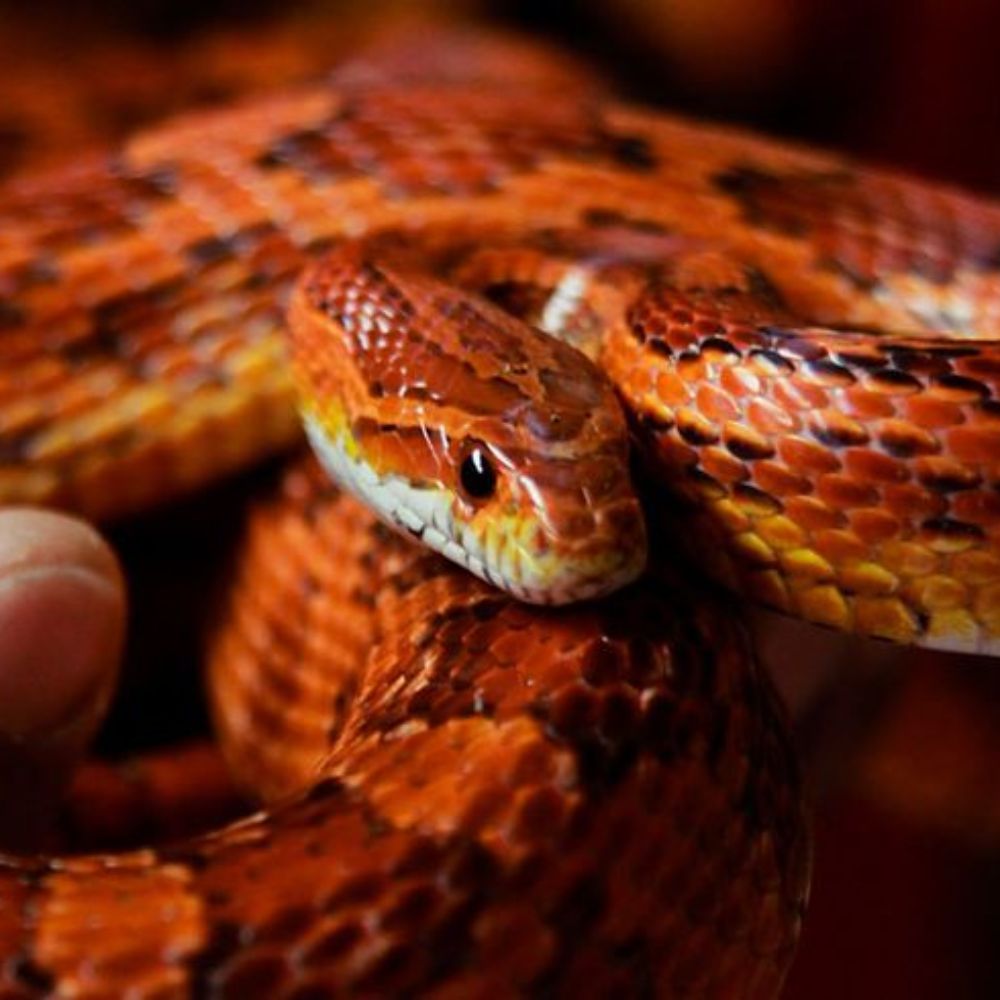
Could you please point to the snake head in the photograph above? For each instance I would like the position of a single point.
(498, 446)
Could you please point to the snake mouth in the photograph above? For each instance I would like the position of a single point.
(608, 558)
(516, 550)
(587, 581)
(509, 557)
(512, 551)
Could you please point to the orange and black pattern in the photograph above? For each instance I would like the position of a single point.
(514, 801)
(471, 797)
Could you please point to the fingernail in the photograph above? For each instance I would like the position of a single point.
(61, 625)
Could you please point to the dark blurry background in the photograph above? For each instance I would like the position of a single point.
(915, 82)
(906, 899)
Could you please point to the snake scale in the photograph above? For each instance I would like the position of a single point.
(469, 795)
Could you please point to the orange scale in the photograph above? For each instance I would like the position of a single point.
(730, 517)
(984, 367)
(885, 618)
(751, 548)
(773, 477)
(693, 369)
(981, 507)
(976, 567)
(739, 381)
(633, 383)
(799, 395)
(809, 456)
(909, 558)
(833, 377)
(845, 492)
(715, 403)
(696, 428)
(867, 405)
(932, 412)
(805, 565)
(975, 444)
(781, 532)
(837, 428)
(745, 442)
(671, 388)
(874, 466)
(680, 338)
(813, 515)
(985, 414)
(958, 390)
(910, 502)
(825, 605)
(904, 438)
(893, 383)
(677, 454)
(874, 527)
(839, 547)
(938, 593)
(769, 418)
(756, 503)
(867, 578)
(718, 362)
(709, 490)
(720, 464)
(944, 473)
(764, 367)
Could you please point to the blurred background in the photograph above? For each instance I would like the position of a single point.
(904, 758)
(914, 82)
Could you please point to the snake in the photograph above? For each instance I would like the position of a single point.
(592, 357)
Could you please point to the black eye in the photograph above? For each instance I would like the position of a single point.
(478, 477)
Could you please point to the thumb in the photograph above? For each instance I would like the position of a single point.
(62, 619)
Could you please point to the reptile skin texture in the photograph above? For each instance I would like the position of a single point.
(513, 801)
(849, 472)
(466, 796)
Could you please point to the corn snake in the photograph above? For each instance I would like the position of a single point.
(214, 216)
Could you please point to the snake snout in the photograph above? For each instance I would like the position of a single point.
(592, 536)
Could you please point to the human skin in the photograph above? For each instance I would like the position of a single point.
(62, 621)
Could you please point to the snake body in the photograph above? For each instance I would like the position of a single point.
(471, 797)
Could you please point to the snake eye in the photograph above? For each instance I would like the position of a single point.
(477, 475)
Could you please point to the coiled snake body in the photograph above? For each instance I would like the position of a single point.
(471, 796)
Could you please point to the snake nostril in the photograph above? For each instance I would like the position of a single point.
(551, 426)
